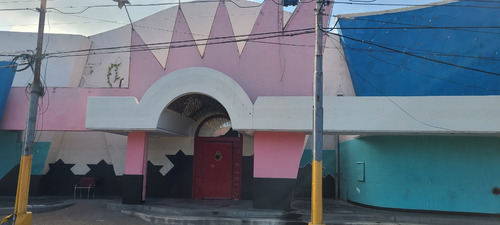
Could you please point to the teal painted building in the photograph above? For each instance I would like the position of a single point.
(439, 173)
(412, 52)
(11, 143)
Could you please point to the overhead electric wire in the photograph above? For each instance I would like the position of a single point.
(85, 8)
(420, 73)
(243, 7)
(419, 26)
(429, 53)
(19, 9)
(416, 5)
(336, 2)
(420, 51)
(179, 44)
(149, 46)
(258, 5)
(417, 56)
(392, 101)
(34, 1)
(416, 27)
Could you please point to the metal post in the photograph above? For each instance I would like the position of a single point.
(317, 154)
(21, 215)
(337, 166)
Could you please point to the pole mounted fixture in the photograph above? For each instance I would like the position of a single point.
(121, 3)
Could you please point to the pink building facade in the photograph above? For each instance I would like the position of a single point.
(213, 100)
(171, 106)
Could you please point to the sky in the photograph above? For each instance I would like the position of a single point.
(89, 17)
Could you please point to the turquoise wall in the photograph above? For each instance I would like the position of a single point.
(328, 161)
(419, 172)
(10, 153)
(10, 149)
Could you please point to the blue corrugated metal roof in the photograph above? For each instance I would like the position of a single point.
(6, 78)
(449, 49)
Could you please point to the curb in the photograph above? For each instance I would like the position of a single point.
(232, 216)
(39, 208)
(181, 216)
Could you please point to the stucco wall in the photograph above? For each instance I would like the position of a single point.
(57, 72)
(11, 143)
(421, 172)
(84, 148)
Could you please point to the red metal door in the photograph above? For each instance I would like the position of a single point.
(217, 167)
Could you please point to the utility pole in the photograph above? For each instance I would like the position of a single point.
(317, 154)
(21, 214)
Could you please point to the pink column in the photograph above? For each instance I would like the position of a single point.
(134, 179)
(276, 163)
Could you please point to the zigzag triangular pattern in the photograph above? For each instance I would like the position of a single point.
(200, 20)
(185, 56)
(228, 52)
(242, 15)
(157, 28)
(260, 58)
(273, 60)
(286, 17)
(302, 17)
(160, 27)
(144, 64)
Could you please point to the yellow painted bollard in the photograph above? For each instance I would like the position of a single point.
(22, 216)
(317, 194)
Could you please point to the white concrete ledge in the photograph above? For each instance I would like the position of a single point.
(463, 115)
(119, 114)
(466, 115)
(125, 114)
(383, 115)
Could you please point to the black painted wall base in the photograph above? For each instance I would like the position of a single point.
(273, 193)
(303, 186)
(132, 189)
(177, 183)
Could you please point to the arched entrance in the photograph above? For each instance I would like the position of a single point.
(217, 160)
(217, 155)
(172, 106)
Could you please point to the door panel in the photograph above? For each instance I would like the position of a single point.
(217, 170)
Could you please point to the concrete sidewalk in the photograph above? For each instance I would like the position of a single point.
(66, 210)
(171, 211)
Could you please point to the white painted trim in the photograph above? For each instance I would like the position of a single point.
(126, 113)
(462, 115)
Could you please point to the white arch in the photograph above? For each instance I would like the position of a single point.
(204, 81)
(126, 113)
